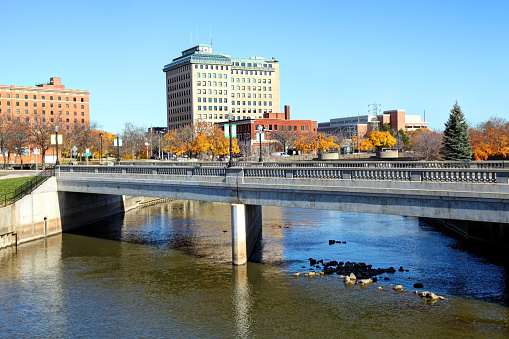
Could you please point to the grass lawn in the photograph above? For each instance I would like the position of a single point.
(9, 185)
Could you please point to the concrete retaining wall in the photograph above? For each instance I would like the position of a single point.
(46, 212)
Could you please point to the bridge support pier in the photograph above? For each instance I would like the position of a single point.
(246, 223)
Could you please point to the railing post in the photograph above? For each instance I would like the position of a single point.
(346, 174)
(502, 177)
(415, 176)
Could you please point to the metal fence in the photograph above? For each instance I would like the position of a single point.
(26, 188)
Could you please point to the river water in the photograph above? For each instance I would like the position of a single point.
(164, 271)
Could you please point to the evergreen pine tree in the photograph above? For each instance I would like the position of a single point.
(456, 143)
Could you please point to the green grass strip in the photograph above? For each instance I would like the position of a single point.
(9, 185)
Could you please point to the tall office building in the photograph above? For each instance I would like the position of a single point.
(202, 85)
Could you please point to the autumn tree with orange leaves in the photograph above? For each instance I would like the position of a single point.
(312, 141)
(198, 139)
(490, 139)
(378, 140)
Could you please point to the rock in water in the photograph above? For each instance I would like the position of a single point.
(332, 242)
(418, 285)
(365, 282)
(352, 276)
(428, 295)
(398, 288)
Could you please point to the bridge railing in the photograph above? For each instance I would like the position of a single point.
(331, 164)
(494, 172)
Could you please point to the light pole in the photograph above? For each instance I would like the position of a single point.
(230, 119)
(57, 162)
(118, 149)
(101, 154)
(260, 129)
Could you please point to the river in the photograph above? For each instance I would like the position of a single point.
(164, 271)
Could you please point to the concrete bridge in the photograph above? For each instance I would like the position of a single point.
(469, 191)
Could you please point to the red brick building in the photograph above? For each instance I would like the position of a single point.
(48, 104)
(276, 129)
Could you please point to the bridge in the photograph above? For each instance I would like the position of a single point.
(473, 191)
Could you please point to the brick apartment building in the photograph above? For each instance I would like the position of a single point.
(50, 104)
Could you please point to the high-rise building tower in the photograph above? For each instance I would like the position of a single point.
(202, 85)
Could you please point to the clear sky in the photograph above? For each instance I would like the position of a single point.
(336, 57)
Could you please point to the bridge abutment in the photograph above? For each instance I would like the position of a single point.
(246, 222)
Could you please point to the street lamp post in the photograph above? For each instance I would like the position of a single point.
(57, 162)
(230, 119)
(118, 149)
(101, 154)
(260, 129)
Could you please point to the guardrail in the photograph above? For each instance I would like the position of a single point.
(26, 188)
(496, 164)
(472, 172)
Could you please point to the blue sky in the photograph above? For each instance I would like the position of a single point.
(336, 57)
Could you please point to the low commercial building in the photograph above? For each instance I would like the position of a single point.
(363, 124)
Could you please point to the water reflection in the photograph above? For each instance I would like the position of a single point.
(164, 271)
(241, 301)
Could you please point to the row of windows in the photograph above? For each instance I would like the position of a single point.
(8, 103)
(179, 70)
(219, 100)
(213, 108)
(251, 73)
(249, 88)
(204, 91)
(212, 75)
(186, 84)
(213, 83)
(217, 68)
(243, 64)
(179, 110)
(249, 95)
(43, 112)
(244, 110)
(43, 97)
(178, 78)
(179, 94)
(249, 80)
(42, 120)
(179, 118)
(179, 102)
(220, 117)
(254, 103)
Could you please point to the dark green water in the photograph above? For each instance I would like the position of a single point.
(163, 271)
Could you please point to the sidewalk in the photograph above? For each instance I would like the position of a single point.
(5, 174)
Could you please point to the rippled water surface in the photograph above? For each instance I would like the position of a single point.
(164, 271)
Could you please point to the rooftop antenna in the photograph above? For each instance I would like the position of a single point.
(210, 35)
